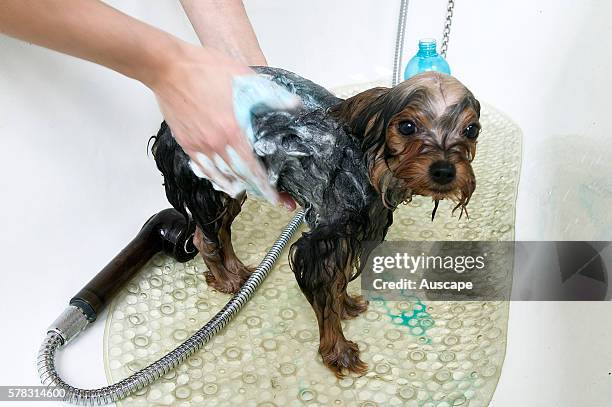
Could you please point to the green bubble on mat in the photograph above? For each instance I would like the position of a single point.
(267, 356)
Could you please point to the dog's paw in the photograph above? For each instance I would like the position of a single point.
(343, 358)
(353, 306)
(227, 286)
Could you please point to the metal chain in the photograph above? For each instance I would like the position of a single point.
(447, 27)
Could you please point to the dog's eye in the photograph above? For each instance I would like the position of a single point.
(407, 127)
(471, 131)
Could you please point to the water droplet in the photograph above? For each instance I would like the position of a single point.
(132, 288)
(382, 368)
(393, 335)
(210, 389)
(446, 356)
(233, 353)
(451, 340)
(288, 313)
(406, 392)
(305, 335)
(140, 341)
(156, 281)
(180, 334)
(307, 395)
(136, 319)
(182, 392)
(167, 309)
(417, 355)
(442, 376)
(253, 322)
(287, 369)
(269, 344)
(249, 378)
(179, 294)
(195, 361)
(202, 305)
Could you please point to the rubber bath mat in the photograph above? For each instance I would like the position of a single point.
(419, 353)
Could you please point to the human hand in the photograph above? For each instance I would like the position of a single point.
(200, 95)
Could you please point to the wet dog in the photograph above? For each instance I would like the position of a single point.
(349, 164)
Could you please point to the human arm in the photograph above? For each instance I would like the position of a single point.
(225, 26)
(193, 84)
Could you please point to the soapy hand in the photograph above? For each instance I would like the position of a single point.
(206, 99)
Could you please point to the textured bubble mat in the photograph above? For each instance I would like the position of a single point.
(419, 353)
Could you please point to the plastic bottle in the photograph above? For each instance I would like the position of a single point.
(426, 59)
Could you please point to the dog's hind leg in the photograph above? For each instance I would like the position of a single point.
(322, 263)
(213, 238)
(212, 210)
(380, 218)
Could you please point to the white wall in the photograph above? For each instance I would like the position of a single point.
(76, 182)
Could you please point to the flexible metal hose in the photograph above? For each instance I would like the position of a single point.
(399, 42)
(74, 321)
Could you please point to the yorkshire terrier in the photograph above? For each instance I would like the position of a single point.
(349, 164)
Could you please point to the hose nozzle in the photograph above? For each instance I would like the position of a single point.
(168, 231)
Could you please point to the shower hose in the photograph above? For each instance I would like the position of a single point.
(75, 318)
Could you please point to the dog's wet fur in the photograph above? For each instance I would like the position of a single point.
(349, 164)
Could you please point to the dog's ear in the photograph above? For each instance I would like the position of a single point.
(358, 111)
(476, 105)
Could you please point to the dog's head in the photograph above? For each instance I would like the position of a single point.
(419, 137)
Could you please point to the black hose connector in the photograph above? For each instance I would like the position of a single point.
(168, 232)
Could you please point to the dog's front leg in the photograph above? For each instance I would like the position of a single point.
(322, 263)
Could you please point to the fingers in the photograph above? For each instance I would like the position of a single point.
(245, 164)
(208, 156)
(234, 170)
(236, 158)
(221, 179)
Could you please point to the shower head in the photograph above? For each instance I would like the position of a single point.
(173, 233)
(167, 231)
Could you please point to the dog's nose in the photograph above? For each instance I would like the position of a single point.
(442, 172)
